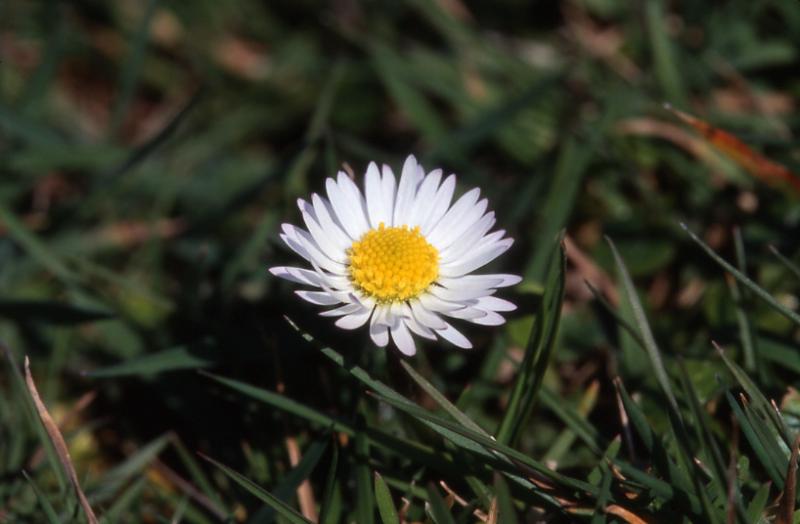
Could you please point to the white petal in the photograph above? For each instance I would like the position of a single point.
(300, 242)
(403, 339)
(495, 304)
(434, 303)
(468, 239)
(476, 260)
(388, 189)
(354, 320)
(347, 211)
(359, 206)
(417, 327)
(425, 194)
(484, 281)
(406, 191)
(378, 331)
(467, 313)
(321, 298)
(374, 194)
(459, 294)
(440, 204)
(323, 240)
(425, 317)
(449, 230)
(322, 211)
(454, 336)
(460, 210)
(343, 310)
(465, 282)
(298, 275)
(489, 319)
(311, 278)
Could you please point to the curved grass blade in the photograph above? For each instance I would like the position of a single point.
(283, 509)
(791, 266)
(59, 444)
(755, 288)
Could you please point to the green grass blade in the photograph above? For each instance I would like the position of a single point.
(744, 280)
(47, 508)
(365, 498)
(791, 266)
(383, 498)
(657, 364)
(541, 344)
(330, 508)
(148, 365)
(437, 509)
(284, 510)
(506, 512)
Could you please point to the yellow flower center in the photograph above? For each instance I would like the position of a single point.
(393, 264)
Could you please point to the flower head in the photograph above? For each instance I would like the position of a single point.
(399, 256)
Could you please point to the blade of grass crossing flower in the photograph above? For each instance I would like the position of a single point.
(365, 498)
(440, 399)
(437, 508)
(744, 280)
(284, 510)
(537, 353)
(381, 388)
(657, 364)
(533, 466)
(383, 498)
(399, 446)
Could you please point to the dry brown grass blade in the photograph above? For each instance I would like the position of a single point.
(626, 515)
(786, 509)
(58, 443)
(305, 494)
(754, 162)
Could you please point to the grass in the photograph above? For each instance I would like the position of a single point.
(150, 151)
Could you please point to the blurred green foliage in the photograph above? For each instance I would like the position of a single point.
(149, 152)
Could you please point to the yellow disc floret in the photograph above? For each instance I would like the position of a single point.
(393, 264)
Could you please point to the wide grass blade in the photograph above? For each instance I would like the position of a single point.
(383, 498)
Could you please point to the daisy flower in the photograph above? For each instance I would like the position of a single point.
(399, 257)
